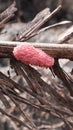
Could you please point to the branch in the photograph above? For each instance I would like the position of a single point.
(55, 50)
(67, 35)
(7, 14)
(32, 27)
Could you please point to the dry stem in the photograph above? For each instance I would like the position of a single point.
(55, 50)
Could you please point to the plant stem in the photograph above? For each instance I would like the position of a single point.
(55, 50)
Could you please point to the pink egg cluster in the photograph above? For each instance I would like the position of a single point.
(28, 54)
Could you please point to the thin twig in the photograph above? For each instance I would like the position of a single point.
(55, 50)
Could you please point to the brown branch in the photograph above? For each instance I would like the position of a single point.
(53, 126)
(14, 118)
(48, 107)
(62, 75)
(55, 50)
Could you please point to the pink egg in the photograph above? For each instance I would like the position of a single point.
(28, 54)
